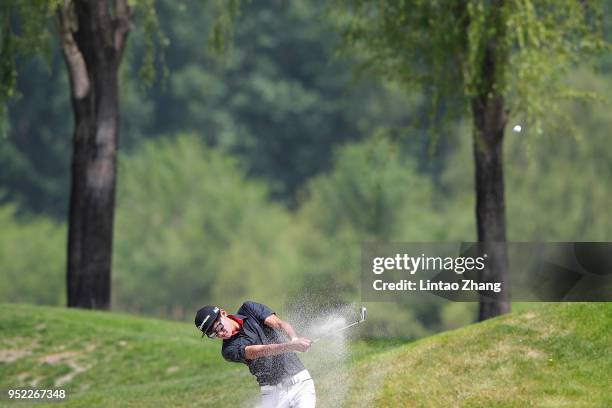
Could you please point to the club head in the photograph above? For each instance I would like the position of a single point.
(362, 313)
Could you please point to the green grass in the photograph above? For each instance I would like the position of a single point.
(555, 355)
(116, 359)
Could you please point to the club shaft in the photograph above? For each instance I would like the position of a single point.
(336, 331)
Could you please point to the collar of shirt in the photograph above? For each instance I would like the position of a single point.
(237, 319)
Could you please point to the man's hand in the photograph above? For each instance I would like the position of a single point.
(300, 344)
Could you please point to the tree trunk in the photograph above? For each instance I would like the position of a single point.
(490, 118)
(491, 217)
(93, 40)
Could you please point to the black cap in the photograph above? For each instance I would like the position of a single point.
(206, 317)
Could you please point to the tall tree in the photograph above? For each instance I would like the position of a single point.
(490, 115)
(93, 39)
(92, 35)
(491, 58)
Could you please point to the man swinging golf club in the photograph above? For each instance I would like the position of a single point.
(253, 336)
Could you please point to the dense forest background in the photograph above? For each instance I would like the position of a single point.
(259, 172)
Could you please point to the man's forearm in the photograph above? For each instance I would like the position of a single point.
(265, 350)
(289, 330)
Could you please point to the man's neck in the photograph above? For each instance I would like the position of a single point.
(236, 324)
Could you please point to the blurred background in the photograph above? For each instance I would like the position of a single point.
(259, 173)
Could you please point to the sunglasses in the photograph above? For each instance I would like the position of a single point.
(216, 329)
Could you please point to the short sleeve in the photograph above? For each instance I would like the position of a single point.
(234, 352)
(257, 310)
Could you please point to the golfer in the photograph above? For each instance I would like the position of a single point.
(254, 336)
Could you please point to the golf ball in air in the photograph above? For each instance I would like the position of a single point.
(517, 128)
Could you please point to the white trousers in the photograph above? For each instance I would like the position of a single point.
(295, 392)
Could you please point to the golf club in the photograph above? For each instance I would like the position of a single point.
(362, 316)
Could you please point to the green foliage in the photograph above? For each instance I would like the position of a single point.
(154, 39)
(360, 199)
(548, 39)
(442, 45)
(222, 32)
(556, 183)
(372, 188)
(24, 31)
(374, 193)
(279, 101)
(28, 27)
(562, 189)
(32, 259)
(183, 236)
(35, 154)
(190, 229)
(35, 148)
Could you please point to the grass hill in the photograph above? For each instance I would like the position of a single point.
(108, 359)
(556, 355)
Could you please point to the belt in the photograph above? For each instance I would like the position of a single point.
(287, 381)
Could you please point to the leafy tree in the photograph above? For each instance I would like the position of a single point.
(492, 59)
(559, 181)
(93, 36)
(373, 193)
(36, 149)
(278, 100)
(191, 228)
(366, 191)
